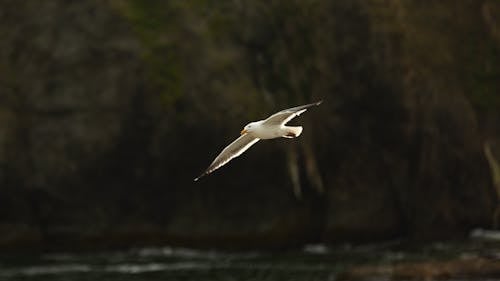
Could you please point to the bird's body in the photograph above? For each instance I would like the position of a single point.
(272, 131)
(270, 128)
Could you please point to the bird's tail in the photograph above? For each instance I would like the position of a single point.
(293, 132)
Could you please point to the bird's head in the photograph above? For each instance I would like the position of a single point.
(248, 128)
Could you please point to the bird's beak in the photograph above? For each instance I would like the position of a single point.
(243, 132)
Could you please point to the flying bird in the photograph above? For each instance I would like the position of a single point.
(270, 128)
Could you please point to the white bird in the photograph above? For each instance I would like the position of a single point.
(270, 128)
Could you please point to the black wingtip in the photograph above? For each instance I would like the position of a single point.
(200, 176)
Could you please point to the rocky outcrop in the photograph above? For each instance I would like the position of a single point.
(435, 270)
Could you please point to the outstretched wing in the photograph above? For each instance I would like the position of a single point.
(282, 117)
(235, 149)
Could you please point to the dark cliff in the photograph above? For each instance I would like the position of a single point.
(108, 110)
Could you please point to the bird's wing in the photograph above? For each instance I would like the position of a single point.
(235, 149)
(282, 117)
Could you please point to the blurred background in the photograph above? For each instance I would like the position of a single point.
(109, 109)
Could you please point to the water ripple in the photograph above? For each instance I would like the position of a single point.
(46, 270)
(152, 267)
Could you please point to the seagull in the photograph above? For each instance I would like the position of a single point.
(270, 128)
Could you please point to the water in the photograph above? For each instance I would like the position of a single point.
(167, 264)
(313, 262)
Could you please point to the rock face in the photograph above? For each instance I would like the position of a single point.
(68, 88)
(108, 110)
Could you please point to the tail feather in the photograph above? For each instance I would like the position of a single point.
(293, 132)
